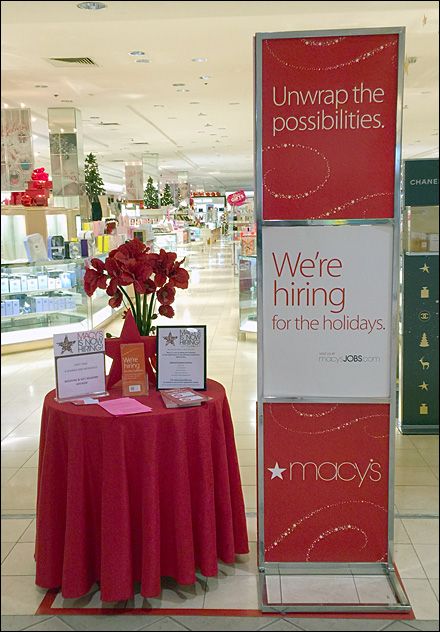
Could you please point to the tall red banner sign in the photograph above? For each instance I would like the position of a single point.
(328, 152)
(329, 127)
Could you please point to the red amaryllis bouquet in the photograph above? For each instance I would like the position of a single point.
(154, 277)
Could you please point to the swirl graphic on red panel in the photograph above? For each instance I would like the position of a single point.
(321, 169)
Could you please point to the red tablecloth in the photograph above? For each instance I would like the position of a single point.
(132, 498)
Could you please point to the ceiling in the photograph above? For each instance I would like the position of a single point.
(206, 129)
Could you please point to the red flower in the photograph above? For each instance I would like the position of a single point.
(162, 266)
(166, 310)
(95, 277)
(166, 294)
(179, 277)
(116, 300)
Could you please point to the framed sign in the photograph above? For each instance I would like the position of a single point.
(79, 365)
(181, 357)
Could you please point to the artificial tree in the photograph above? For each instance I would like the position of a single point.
(151, 195)
(94, 185)
(167, 197)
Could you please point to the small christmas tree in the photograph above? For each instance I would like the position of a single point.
(166, 197)
(94, 182)
(151, 195)
(424, 342)
(94, 185)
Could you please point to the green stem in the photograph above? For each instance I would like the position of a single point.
(150, 313)
(144, 316)
(138, 312)
(129, 300)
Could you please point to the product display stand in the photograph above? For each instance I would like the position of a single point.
(326, 387)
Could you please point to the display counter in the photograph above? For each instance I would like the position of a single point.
(247, 279)
(41, 299)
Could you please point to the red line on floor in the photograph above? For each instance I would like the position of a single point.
(45, 607)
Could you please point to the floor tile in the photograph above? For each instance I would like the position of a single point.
(29, 534)
(428, 555)
(422, 598)
(108, 623)
(236, 624)
(374, 590)
(400, 534)
(13, 529)
(232, 592)
(244, 564)
(20, 560)
(90, 600)
(7, 473)
(434, 585)
(20, 492)
(54, 624)
(409, 458)
(415, 476)
(252, 528)
(430, 456)
(173, 595)
(417, 499)
(250, 497)
(407, 562)
(20, 595)
(165, 624)
(17, 622)
(282, 625)
(273, 589)
(247, 457)
(248, 474)
(21, 444)
(324, 589)
(422, 530)
(12, 458)
(6, 549)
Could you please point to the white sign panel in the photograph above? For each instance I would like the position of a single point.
(181, 357)
(79, 364)
(327, 311)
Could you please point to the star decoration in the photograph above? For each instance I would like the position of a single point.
(277, 471)
(170, 339)
(129, 334)
(425, 268)
(424, 386)
(66, 345)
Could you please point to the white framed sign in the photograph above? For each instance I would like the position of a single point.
(327, 301)
(181, 357)
(79, 365)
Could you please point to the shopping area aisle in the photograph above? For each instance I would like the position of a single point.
(212, 299)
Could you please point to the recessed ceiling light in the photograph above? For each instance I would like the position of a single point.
(208, 124)
(40, 85)
(95, 117)
(142, 61)
(202, 114)
(33, 119)
(234, 103)
(91, 6)
(66, 101)
(199, 59)
(178, 85)
(182, 90)
(194, 102)
(205, 77)
(172, 118)
(137, 53)
(158, 105)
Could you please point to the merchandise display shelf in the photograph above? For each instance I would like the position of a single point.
(30, 317)
(247, 281)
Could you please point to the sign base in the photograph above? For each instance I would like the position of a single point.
(332, 588)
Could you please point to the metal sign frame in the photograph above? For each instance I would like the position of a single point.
(386, 569)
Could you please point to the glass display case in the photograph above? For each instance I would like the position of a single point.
(41, 299)
(247, 280)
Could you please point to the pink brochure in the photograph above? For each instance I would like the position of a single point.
(124, 406)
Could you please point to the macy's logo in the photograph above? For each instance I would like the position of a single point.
(327, 471)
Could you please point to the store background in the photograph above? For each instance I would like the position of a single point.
(204, 128)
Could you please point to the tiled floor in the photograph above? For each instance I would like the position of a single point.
(213, 300)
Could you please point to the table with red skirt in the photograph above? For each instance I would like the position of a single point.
(129, 499)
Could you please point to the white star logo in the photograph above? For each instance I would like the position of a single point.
(277, 471)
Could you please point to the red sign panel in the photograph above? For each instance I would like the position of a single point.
(329, 127)
(326, 482)
(237, 199)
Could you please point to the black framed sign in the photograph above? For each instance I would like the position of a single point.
(181, 357)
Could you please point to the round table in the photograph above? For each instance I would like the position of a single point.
(125, 499)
